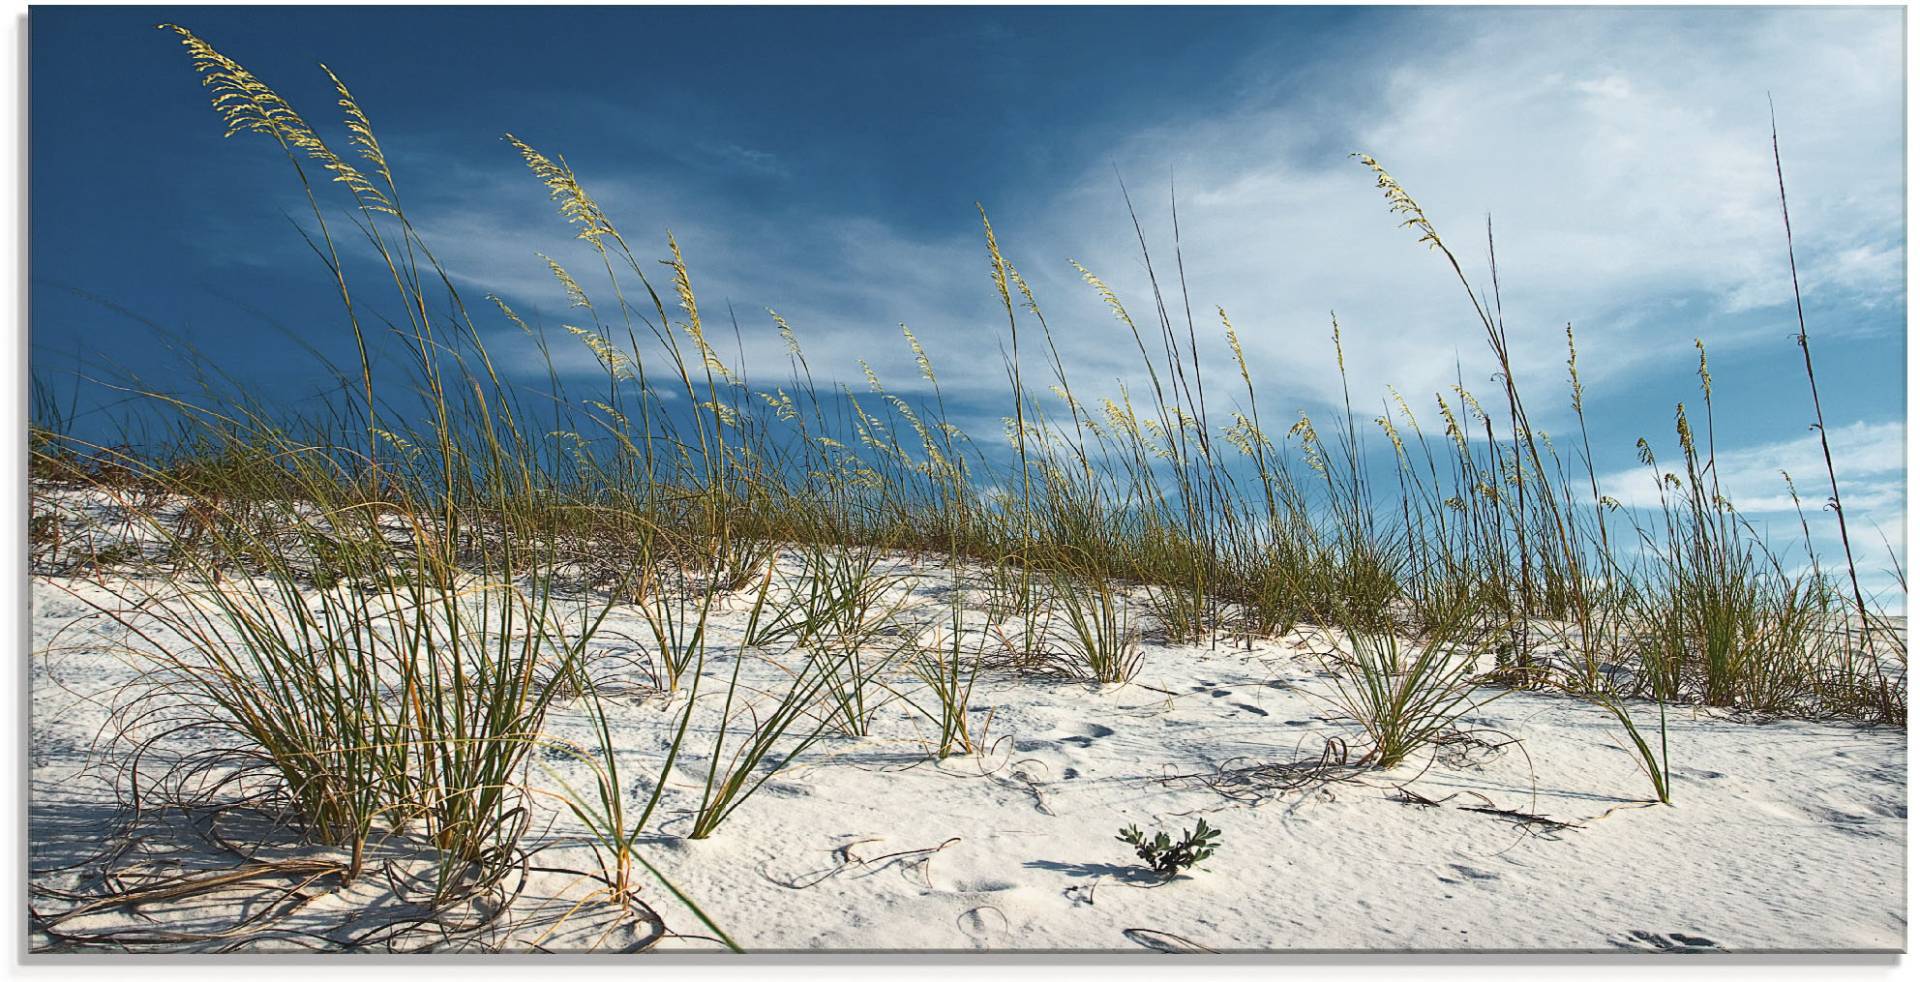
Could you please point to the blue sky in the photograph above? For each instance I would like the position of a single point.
(826, 162)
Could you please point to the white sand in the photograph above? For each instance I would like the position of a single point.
(1784, 835)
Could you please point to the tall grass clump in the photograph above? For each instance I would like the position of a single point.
(1407, 693)
(947, 668)
(363, 605)
(1094, 634)
(843, 617)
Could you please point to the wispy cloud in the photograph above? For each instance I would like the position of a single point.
(733, 156)
(1623, 155)
(1869, 461)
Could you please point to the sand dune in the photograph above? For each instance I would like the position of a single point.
(1529, 831)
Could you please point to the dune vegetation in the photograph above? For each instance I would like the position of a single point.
(376, 606)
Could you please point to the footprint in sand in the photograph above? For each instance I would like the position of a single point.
(1088, 733)
(981, 923)
(1844, 821)
(1467, 873)
(978, 885)
(1695, 772)
(1673, 942)
(1080, 735)
(1256, 710)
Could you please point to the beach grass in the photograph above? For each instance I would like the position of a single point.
(380, 602)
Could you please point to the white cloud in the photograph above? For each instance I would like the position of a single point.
(1624, 156)
(1869, 460)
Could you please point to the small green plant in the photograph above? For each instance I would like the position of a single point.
(1167, 857)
